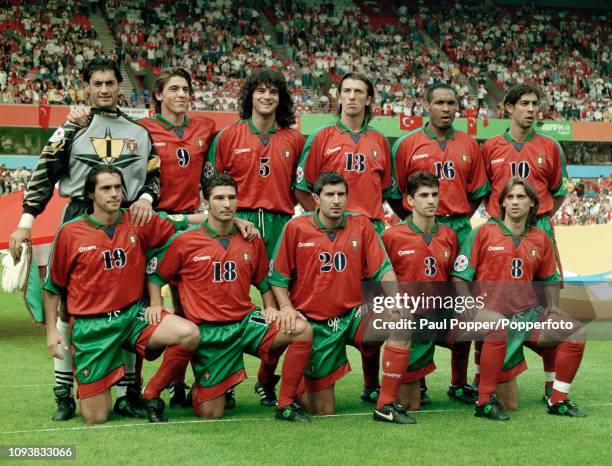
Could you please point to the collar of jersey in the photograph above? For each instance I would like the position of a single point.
(510, 139)
(320, 226)
(95, 224)
(450, 136)
(505, 230)
(410, 224)
(167, 125)
(348, 131)
(107, 113)
(256, 131)
(210, 232)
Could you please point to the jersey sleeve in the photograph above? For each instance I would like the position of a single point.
(558, 181)
(161, 228)
(60, 264)
(376, 261)
(466, 262)
(283, 261)
(260, 273)
(310, 163)
(164, 262)
(478, 184)
(399, 158)
(51, 165)
(547, 267)
(298, 144)
(152, 185)
(453, 252)
(214, 160)
(388, 181)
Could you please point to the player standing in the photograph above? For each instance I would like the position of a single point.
(109, 138)
(455, 158)
(214, 268)
(521, 151)
(261, 152)
(330, 249)
(94, 257)
(422, 249)
(351, 147)
(506, 256)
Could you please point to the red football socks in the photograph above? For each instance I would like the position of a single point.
(491, 364)
(296, 358)
(567, 362)
(176, 359)
(395, 365)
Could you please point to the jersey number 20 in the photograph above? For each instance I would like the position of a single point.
(329, 263)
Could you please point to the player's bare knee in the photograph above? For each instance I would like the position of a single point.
(303, 331)
(579, 335)
(211, 413)
(190, 337)
(94, 418)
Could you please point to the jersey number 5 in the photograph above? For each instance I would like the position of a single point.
(264, 168)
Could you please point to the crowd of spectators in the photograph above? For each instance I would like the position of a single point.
(13, 180)
(590, 203)
(588, 153)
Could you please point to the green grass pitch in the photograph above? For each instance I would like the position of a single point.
(446, 433)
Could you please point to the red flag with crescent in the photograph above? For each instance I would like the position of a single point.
(472, 127)
(44, 115)
(408, 122)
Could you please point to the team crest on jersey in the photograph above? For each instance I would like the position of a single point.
(446, 254)
(152, 265)
(533, 252)
(58, 135)
(354, 244)
(464, 157)
(132, 145)
(374, 153)
(132, 239)
(461, 263)
(107, 148)
(540, 159)
(201, 143)
(246, 256)
(299, 175)
(85, 372)
(287, 153)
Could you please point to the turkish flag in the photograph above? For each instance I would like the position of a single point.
(408, 123)
(44, 114)
(472, 128)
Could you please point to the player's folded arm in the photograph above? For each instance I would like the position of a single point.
(480, 192)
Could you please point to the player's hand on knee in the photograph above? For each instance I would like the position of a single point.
(53, 340)
(18, 236)
(557, 311)
(153, 314)
(141, 212)
(78, 116)
(286, 319)
(247, 229)
(270, 314)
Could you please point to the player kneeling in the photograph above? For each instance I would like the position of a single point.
(504, 256)
(214, 268)
(317, 269)
(98, 262)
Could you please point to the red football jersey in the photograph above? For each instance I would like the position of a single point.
(363, 160)
(323, 270)
(103, 272)
(507, 263)
(418, 256)
(182, 160)
(539, 159)
(263, 172)
(456, 161)
(213, 273)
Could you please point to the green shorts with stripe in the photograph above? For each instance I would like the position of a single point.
(514, 362)
(269, 224)
(219, 363)
(328, 361)
(97, 344)
(460, 224)
(421, 361)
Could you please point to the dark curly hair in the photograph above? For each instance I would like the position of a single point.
(285, 113)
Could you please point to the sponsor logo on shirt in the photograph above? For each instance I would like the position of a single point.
(333, 149)
(495, 161)
(305, 245)
(159, 144)
(496, 248)
(201, 258)
(87, 248)
(420, 156)
(406, 252)
(242, 151)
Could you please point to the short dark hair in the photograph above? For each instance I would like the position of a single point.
(516, 92)
(419, 179)
(162, 79)
(512, 182)
(433, 87)
(101, 64)
(222, 179)
(369, 113)
(285, 113)
(326, 178)
(91, 180)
